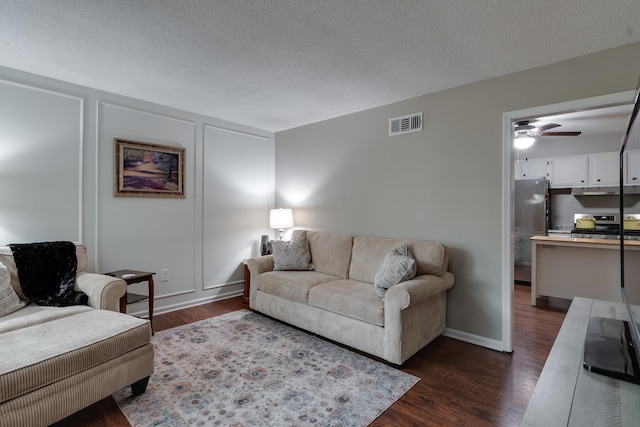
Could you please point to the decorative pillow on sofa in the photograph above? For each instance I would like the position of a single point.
(397, 267)
(9, 301)
(292, 255)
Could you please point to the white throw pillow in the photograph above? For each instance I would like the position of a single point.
(9, 301)
(397, 267)
(292, 255)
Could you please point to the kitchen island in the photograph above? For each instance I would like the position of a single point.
(565, 267)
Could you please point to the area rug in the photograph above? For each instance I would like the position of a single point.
(243, 369)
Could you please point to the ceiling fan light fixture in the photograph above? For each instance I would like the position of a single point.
(521, 142)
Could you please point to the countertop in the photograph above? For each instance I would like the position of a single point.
(574, 240)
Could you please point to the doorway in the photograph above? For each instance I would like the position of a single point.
(508, 184)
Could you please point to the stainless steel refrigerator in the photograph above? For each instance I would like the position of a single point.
(531, 219)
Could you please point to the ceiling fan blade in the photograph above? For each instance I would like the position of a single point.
(560, 133)
(548, 126)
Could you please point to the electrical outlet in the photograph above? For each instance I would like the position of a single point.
(164, 275)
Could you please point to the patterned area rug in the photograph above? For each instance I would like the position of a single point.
(243, 369)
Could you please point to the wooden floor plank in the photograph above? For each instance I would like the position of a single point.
(461, 384)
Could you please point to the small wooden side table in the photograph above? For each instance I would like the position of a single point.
(131, 277)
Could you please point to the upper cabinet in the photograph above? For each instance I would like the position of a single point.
(571, 171)
(593, 170)
(633, 168)
(604, 169)
(534, 168)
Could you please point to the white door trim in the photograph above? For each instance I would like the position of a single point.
(508, 156)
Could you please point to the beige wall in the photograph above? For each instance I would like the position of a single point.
(444, 183)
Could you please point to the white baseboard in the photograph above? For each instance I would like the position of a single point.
(473, 339)
(187, 304)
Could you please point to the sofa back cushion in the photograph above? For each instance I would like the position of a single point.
(330, 252)
(6, 257)
(369, 252)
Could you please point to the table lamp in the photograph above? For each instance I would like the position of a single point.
(280, 219)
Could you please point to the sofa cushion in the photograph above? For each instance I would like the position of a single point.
(350, 298)
(34, 314)
(368, 254)
(397, 267)
(293, 255)
(39, 355)
(330, 252)
(9, 301)
(291, 285)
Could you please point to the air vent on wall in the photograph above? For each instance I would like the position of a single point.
(405, 124)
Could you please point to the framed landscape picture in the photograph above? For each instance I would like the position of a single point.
(147, 170)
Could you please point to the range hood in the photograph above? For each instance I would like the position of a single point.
(604, 191)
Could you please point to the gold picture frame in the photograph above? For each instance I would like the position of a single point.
(142, 169)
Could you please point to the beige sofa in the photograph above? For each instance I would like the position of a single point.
(55, 361)
(337, 300)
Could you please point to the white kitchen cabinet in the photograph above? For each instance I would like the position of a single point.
(604, 169)
(570, 171)
(633, 168)
(531, 168)
(594, 170)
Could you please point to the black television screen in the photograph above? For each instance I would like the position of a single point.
(612, 347)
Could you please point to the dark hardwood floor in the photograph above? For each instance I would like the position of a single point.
(461, 384)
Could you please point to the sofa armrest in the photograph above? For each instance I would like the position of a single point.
(260, 264)
(257, 266)
(414, 314)
(104, 291)
(414, 291)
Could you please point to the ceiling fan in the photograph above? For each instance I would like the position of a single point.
(525, 128)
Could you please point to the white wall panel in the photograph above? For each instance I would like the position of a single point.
(139, 233)
(40, 165)
(238, 183)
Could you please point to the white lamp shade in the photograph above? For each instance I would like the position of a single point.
(280, 218)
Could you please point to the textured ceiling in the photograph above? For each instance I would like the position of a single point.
(278, 64)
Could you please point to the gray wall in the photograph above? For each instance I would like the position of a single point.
(57, 167)
(444, 183)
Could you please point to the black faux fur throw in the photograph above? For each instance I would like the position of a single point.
(47, 272)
